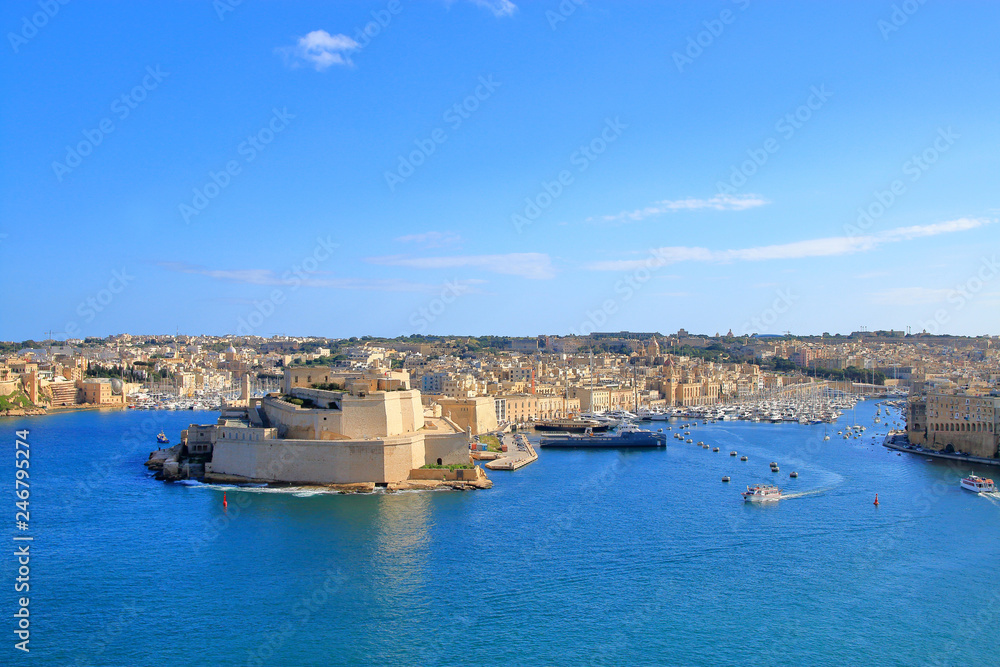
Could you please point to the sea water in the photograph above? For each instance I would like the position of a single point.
(583, 557)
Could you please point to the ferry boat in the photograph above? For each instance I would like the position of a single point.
(162, 438)
(627, 436)
(571, 425)
(761, 493)
(978, 484)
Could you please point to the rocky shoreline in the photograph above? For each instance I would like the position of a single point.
(22, 412)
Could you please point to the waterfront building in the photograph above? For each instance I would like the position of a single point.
(958, 420)
(476, 414)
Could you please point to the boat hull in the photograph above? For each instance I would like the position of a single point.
(980, 488)
(752, 498)
(644, 440)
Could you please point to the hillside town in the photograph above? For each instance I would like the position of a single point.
(486, 382)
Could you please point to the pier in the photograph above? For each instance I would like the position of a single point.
(519, 453)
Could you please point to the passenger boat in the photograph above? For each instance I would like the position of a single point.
(162, 439)
(627, 436)
(978, 484)
(571, 425)
(761, 493)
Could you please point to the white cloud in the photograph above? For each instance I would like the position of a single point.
(917, 231)
(498, 7)
(316, 279)
(431, 239)
(720, 202)
(534, 265)
(319, 49)
(825, 247)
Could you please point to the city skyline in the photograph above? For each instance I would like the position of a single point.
(735, 166)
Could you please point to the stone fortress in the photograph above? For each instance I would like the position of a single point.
(367, 430)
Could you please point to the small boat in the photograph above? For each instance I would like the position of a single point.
(761, 493)
(732, 453)
(715, 449)
(978, 484)
(701, 443)
(774, 464)
(775, 468)
(162, 439)
(793, 474)
(689, 440)
(726, 478)
(743, 458)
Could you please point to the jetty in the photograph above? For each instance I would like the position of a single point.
(519, 453)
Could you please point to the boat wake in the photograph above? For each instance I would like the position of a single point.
(802, 494)
(992, 496)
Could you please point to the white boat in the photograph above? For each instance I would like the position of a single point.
(978, 484)
(761, 493)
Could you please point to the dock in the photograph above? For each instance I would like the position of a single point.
(897, 440)
(519, 453)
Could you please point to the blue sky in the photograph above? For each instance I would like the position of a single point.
(499, 167)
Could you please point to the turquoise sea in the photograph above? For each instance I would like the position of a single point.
(584, 557)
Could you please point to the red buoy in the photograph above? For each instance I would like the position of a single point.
(876, 500)
(225, 503)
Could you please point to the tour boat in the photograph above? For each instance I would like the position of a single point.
(162, 438)
(761, 493)
(978, 484)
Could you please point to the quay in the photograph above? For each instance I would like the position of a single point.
(897, 440)
(519, 453)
